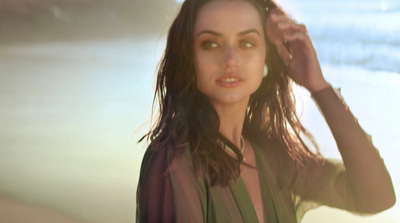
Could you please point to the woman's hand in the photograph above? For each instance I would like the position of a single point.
(296, 50)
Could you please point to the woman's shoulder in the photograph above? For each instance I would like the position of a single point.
(160, 162)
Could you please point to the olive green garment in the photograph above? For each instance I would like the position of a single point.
(170, 192)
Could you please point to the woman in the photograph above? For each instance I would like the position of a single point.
(228, 146)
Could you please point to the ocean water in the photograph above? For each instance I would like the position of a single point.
(353, 33)
(71, 112)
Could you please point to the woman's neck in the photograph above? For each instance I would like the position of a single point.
(231, 122)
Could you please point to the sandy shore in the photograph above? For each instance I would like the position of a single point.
(15, 211)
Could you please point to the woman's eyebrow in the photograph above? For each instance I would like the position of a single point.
(209, 32)
(243, 33)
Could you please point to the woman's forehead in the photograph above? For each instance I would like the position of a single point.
(227, 15)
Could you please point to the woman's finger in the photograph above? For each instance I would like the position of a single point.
(291, 26)
(279, 17)
(303, 36)
(284, 52)
(275, 34)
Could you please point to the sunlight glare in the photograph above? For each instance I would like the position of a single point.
(384, 6)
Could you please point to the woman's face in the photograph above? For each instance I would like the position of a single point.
(229, 51)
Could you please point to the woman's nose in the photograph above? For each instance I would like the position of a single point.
(230, 56)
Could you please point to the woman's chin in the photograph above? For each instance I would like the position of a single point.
(230, 100)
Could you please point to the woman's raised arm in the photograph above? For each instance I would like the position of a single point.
(365, 180)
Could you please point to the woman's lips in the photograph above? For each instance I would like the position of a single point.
(229, 81)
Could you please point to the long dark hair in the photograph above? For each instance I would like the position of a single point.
(186, 118)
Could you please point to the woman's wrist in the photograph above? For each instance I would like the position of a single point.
(319, 87)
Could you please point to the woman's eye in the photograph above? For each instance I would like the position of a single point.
(246, 44)
(207, 45)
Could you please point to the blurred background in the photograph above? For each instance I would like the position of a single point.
(76, 83)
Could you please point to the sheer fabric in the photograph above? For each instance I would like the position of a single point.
(170, 191)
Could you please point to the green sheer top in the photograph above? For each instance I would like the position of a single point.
(170, 191)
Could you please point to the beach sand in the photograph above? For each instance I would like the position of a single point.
(14, 211)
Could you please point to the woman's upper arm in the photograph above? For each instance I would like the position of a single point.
(168, 191)
(154, 196)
